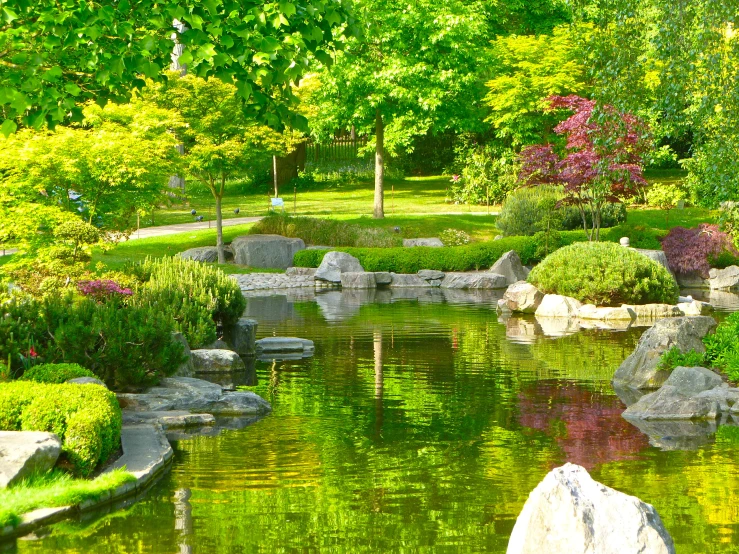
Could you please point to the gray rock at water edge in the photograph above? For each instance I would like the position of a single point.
(24, 453)
(383, 278)
(301, 271)
(690, 280)
(640, 371)
(193, 395)
(217, 361)
(217, 344)
(657, 256)
(336, 263)
(481, 280)
(408, 280)
(278, 345)
(205, 254)
(359, 280)
(431, 275)
(86, 381)
(522, 297)
(555, 305)
(677, 434)
(604, 313)
(509, 265)
(431, 242)
(186, 369)
(651, 312)
(688, 393)
(694, 308)
(724, 279)
(243, 336)
(570, 513)
(271, 251)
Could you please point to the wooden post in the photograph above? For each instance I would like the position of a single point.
(274, 171)
(295, 199)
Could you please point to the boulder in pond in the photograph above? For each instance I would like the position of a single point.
(358, 280)
(217, 361)
(432, 242)
(267, 251)
(724, 279)
(243, 336)
(24, 453)
(570, 513)
(509, 266)
(556, 305)
(334, 264)
(522, 297)
(281, 345)
(481, 280)
(639, 370)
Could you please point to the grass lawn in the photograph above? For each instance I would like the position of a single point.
(53, 490)
(413, 195)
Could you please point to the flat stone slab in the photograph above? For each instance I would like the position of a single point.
(194, 396)
(479, 280)
(145, 450)
(23, 453)
(172, 419)
(283, 344)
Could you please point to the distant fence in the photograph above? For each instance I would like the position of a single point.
(338, 150)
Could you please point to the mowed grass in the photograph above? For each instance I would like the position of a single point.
(413, 195)
(53, 490)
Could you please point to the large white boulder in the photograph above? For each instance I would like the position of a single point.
(266, 250)
(23, 453)
(726, 279)
(217, 361)
(555, 305)
(570, 513)
(522, 297)
(336, 263)
(509, 265)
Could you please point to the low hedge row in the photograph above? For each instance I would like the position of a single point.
(411, 260)
(87, 418)
(471, 256)
(55, 373)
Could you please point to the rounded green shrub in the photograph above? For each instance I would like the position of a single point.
(87, 418)
(525, 208)
(56, 373)
(604, 274)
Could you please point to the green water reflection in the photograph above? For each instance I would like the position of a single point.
(416, 427)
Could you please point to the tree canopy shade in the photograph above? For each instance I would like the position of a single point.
(414, 68)
(57, 54)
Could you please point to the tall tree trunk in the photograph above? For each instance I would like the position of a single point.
(379, 210)
(178, 181)
(219, 231)
(274, 174)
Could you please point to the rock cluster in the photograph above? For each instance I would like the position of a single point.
(570, 513)
(640, 369)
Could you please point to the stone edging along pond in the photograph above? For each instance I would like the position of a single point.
(147, 454)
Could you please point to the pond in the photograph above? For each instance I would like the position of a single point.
(419, 425)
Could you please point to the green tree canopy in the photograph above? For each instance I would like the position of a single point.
(57, 54)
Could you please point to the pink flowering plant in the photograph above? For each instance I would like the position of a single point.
(697, 249)
(102, 290)
(601, 162)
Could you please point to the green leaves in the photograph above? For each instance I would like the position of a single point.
(8, 127)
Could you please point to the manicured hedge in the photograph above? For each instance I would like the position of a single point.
(55, 373)
(604, 274)
(86, 418)
(411, 260)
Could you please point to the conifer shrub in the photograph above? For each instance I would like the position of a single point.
(604, 274)
(55, 373)
(197, 297)
(87, 419)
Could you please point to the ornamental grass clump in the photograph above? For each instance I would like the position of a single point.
(604, 274)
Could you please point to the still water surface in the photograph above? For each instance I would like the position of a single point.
(420, 425)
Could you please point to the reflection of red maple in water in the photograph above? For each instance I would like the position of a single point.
(586, 425)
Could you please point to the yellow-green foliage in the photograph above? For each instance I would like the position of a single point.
(55, 373)
(87, 418)
(197, 296)
(604, 273)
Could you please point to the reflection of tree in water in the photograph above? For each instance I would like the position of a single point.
(586, 425)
